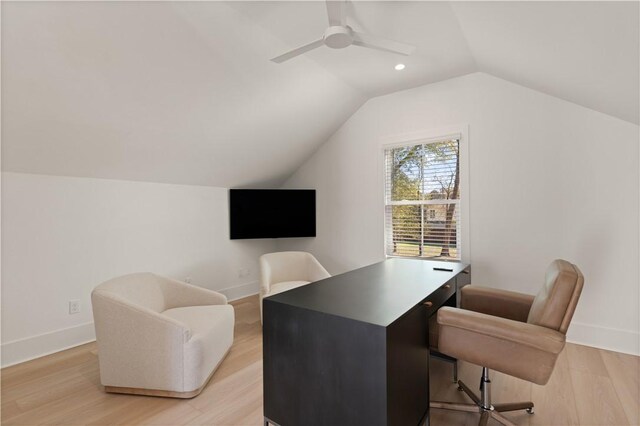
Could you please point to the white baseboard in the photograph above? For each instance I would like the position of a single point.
(612, 339)
(240, 291)
(29, 348)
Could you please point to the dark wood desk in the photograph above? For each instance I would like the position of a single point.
(353, 349)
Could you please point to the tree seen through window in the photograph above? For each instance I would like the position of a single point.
(422, 200)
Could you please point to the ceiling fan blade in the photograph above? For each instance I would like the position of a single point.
(298, 51)
(337, 12)
(374, 42)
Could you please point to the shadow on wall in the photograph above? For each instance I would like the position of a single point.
(592, 253)
(236, 269)
(203, 274)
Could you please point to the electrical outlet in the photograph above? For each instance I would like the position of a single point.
(244, 272)
(187, 280)
(74, 307)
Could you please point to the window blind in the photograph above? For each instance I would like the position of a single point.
(422, 200)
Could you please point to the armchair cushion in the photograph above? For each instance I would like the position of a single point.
(519, 349)
(289, 266)
(287, 270)
(285, 286)
(492, 301)
(211, 337)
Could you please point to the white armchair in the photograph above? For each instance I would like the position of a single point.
(287, 270)
(157, 336)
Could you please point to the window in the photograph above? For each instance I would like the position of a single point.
(422, 200)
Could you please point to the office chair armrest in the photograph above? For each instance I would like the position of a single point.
(493, 301)
(532, 335)
(523, 350)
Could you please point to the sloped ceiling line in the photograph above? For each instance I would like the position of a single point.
(184, 92)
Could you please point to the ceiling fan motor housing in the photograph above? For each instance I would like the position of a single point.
(338, 37)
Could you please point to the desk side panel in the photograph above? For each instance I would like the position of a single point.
(462, 279)
(321, 369)
(408, 368)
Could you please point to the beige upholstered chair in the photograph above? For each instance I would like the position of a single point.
(159, 337)
(513, 333)
(287, 270)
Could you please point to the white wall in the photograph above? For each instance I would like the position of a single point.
(548, 179)
(62, 236)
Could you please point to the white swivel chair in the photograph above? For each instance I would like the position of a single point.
(287, 270)
(160, 337)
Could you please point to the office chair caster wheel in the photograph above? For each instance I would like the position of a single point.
(460, 389)
(530, 410)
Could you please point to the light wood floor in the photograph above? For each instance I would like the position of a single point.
(588, 387)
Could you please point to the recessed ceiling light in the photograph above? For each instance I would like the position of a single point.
(399, 67)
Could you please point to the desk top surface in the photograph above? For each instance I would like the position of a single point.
(377, 294)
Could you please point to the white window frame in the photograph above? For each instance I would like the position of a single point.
(460, 133)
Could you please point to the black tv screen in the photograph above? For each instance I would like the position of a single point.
(272, 213)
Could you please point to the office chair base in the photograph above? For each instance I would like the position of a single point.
(482, 404)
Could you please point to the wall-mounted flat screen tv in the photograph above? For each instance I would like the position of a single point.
(272, 213)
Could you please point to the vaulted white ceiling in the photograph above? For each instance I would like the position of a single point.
(184, 92)
(583, 52)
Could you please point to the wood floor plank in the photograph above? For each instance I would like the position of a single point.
(555, 402)
(596, 399)
(586, 359)
(229, 412)
(132, 412)
(58, 390)
(242, 381)
(10, 409)
(181, 414)
(65, 406)
(589, 386)
(624, 371)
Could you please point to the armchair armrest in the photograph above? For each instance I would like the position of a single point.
(500, 303)
(136, 345)
(519, 349)
(265, 277)
(181, 294)
(316, 271)
(108, 308)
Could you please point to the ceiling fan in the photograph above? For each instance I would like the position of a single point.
(339, 35)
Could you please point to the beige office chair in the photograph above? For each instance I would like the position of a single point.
(516, 334)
